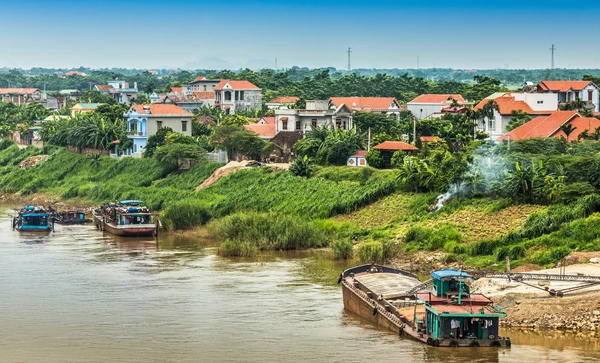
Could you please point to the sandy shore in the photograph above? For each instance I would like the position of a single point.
(531, 307)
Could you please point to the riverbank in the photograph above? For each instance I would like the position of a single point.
(529, 307)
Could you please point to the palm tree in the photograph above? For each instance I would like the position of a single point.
(568, 129)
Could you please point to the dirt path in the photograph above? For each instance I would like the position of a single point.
(232, 167)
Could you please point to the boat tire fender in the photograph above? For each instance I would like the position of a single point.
(375, 311)
(453, 343)
(429, 341)
(436, 343)
(340, 278)
(495, 344)
(508, 343)
(474, 343)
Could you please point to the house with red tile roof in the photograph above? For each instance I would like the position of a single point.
(22, 96)
(569, 91)
(388, 148)
(265, 131)
(190, 102)
(427, 105)
(144, 120)
(358, 159)
(551, 126)
(533, 104)
(384, 105)
(233, 96)
(282, 102)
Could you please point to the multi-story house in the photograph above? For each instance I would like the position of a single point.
(190, 101)
(569, 91)
(385, 105)
(427, 105)
(533, 104)
(234, 96)
(119, 90)
(282, 102)
(317, 113)
(144, 120)
(22, 96)
(200, 84)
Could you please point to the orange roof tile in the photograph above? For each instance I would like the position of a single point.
(542, 126)
(18, 90)
(236, 84)
(285, 99)
(104, 87)
(563, 86)
(395, 145)
(161, 109)
(437, 98)
(364, 103)
(177, 89)
(431, 139)
(269, 120)
(263, 130)
(204, 95)
(199, 78)
(506, 104)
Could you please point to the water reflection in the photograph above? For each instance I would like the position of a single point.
(81, 295)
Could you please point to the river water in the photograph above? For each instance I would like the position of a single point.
(77, 295)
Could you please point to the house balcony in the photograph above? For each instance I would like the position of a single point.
(136, 135)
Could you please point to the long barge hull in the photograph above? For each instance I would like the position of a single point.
(131, 230)
(360, 300)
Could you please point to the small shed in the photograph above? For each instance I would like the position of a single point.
(358, 159)
(388, 148)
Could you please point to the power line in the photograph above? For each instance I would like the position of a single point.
(349, 64)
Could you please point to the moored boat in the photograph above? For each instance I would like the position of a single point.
(440, 312)
(70, 217)
(33, 219)
(128, 218)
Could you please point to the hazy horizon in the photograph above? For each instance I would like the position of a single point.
(240, 34)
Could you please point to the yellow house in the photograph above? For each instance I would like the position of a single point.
(83, 108)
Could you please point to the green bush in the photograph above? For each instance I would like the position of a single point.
(185, 214)
(371, 251)
(268, 231)
(342, 249)
(375, 159)
(423, 238)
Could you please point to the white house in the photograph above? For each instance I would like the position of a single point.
(233, 96)
(317, 113)
(200, 84)
(144, 120)
(569, 91)
(427, 105)
(119, 90)
(384, 105)
(358, 159)
(282, 102)
(533, 104)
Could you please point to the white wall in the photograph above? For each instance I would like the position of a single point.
(424, 110)
(538, 101)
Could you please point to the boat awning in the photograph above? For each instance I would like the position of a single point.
(131, 202)
(35, 215)
(449, 273)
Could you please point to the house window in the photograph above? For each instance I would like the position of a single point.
(338, 123)
(159, 124)
(313, 122)
(284, 125)
(297, 125)
(228, 96)
(237, 95)
(242, 95)
(344, 124)
(590, 94)
(492, 124)
(183, 126)
(205, 87)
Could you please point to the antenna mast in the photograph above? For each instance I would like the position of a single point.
(552, 50)
(349, 65)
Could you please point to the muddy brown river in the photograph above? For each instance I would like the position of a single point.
(77, 295)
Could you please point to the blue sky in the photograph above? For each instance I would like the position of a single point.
(382, 34)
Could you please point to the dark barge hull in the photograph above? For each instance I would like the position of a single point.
(131, 230)
(359, 300)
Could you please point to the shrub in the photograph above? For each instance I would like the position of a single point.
(186, 214)
(375, 159)
(423, 238)
(302, 167)
(342, 249)
(370, 252)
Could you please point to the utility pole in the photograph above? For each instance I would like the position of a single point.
(349, 64)
(276, 68)
(552, 50)
(417, 62)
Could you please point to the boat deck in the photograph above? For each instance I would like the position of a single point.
(389, 285)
